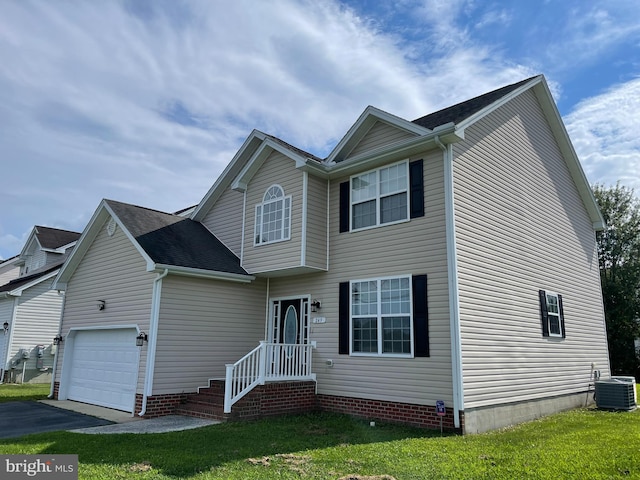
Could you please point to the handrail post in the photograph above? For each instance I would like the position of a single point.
(262, 367)
(228, 385)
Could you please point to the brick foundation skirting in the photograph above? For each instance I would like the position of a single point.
(160, 405)
(273, 399)
(424, 416)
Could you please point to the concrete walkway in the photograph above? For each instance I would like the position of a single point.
(124, 422)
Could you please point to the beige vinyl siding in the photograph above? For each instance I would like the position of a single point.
(114, 271)
(276, 170)
(521, 227)
(317, 228)
(411, 248)
(205, 324)
(224, 220)
(380, 134)
(36, 323)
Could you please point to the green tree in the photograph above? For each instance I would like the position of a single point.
(619, 259)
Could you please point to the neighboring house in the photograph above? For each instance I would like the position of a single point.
(9, 269)
(30, 310)
(451, 258)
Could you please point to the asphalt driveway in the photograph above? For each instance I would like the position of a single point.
(22, 418)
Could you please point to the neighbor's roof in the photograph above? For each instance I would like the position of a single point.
(173, 240)
(53, 238)
(19, 282)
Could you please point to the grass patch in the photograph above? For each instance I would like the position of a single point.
(584, 443)
(12, 392)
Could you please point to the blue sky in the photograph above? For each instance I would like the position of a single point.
(146, 102)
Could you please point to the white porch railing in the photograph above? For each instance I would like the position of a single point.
(268, 362)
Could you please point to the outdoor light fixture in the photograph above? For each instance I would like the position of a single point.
(57, 340)
(101, 304)
(5, 325)
(140, 339)
(315, 305)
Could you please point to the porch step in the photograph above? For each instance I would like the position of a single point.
(207, 403)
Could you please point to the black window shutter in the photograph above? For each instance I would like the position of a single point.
(416, 189)
(561, 316)
(345, 190)
(420, 316)
(544, 313)
(343, 319)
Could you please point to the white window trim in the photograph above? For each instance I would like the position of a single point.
(553, 294)
(261, 205)
(379, 320)
(378, 223)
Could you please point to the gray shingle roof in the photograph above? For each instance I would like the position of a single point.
(172, 240)
(460, 111)
(20, 281)
(54, 237)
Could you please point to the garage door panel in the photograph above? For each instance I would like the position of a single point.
(104, 368)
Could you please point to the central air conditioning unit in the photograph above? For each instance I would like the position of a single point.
(616, 393)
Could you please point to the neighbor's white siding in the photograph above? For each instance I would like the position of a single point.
(114, 271)
(8, 272)
(379, 135)
(36, 322)
(224, 220)
(205, 324)
(414, 247)
(6, 315)
(276, 170)
(521, 227)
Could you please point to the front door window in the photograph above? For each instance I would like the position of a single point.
(290, 321)
(290, 326)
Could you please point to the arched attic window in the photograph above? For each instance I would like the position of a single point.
(273, 217)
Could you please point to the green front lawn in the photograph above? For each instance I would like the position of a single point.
(12, 392)
(581, 444)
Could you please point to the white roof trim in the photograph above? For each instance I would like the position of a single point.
(227, 176)
(202, 273)
(18, 291)
(360, 128)
(258, 158)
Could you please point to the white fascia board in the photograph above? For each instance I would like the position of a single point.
(550, 109)
(398, 150)
(60, 249)
(32, 237)
(201, 273)
(91, 231)
(258, 158)
(500, 102)
(227, 176)
(362, 125)
(82, 245)
(18, 291)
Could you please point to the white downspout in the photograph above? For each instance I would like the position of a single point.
(454, 299)
(55, 357)
(153, 339)
(14, 316)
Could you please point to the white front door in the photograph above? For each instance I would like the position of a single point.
(104, 368)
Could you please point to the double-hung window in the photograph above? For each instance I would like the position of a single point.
(381, 316)
(380, 196)
(552, 314)
(273, 217)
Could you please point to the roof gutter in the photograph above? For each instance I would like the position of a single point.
(202, 273)
(153, 340)
(452, 270)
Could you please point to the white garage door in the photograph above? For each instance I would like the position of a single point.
(104, 368)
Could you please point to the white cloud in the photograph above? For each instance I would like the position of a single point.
(604, 131)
